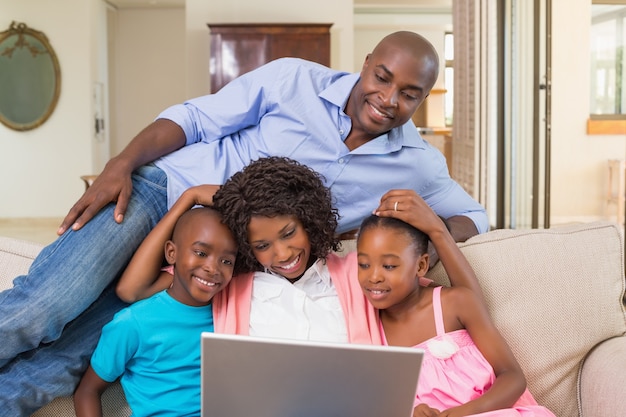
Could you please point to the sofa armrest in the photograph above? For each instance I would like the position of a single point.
(602, 380)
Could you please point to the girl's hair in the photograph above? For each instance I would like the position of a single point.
(278, 186)
(417, 237)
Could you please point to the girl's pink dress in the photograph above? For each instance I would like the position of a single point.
(454, 372)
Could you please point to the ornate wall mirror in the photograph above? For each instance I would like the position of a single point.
(30, 77)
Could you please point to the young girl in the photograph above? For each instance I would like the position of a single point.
(468, 368)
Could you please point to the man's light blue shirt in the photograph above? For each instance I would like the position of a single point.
(294, 108)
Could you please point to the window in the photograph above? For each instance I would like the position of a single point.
(448, 78)
(608, 71)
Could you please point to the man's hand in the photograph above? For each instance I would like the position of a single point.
(114, 184)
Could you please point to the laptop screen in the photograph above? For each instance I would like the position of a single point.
(262, 377)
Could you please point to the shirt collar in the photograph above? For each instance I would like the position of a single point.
(319, 269)
(337, 93)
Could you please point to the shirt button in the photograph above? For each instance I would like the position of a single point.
(341, 132)
(341, 160)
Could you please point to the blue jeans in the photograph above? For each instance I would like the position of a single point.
(51, 319)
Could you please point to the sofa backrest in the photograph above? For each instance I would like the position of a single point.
(15, 258)
(554, 294)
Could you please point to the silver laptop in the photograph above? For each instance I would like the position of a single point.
(262, 377)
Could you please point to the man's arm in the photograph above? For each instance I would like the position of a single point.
(114, 183)
(460, 227)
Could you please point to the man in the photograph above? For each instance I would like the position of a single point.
(355, 129)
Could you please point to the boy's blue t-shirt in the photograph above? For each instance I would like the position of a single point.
(154, 345)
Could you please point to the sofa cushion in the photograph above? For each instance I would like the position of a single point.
(113, 405)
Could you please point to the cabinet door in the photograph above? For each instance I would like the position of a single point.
(311, 46)
(239, 48)
(232, 56)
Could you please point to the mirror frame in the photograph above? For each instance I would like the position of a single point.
(34, 41)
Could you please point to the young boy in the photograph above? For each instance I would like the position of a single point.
(154, 345)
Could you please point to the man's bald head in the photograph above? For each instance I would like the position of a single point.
(416, 45)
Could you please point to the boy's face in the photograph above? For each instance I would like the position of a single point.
(204, 256)
(280, 244)
(388, 267)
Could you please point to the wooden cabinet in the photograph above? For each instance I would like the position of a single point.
(239, 48)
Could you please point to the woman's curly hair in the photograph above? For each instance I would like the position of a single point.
(278, 186)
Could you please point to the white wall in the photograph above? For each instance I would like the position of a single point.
(40, 168)
(150, 70)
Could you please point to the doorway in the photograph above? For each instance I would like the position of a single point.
(501, 135)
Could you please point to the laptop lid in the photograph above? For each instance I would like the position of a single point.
(263, 377)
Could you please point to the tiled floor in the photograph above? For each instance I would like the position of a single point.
(42, 230)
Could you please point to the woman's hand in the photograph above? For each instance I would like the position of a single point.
(408, 206)
(200, 195)
(422, 410)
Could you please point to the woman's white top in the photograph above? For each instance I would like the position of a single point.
(308, 309)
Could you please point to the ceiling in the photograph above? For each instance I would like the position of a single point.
(128, 4)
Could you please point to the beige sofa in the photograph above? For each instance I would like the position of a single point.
(556, 295)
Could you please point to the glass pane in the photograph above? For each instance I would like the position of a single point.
(449, 96)
(448, 47)
(448, 78)
(608, 34)
(622, 58)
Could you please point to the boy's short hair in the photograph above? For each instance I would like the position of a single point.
(184, 219)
